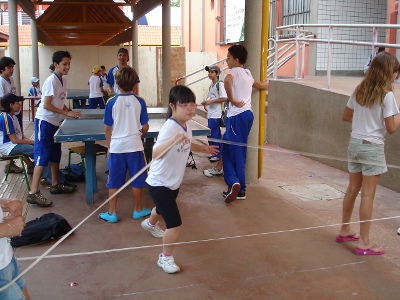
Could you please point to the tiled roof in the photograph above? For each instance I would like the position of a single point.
(148, 35)
(152, 35)
(24, 35)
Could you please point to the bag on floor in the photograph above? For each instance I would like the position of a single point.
(76, 172)
(50, 226)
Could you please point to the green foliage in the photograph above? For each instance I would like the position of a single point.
(175, 3)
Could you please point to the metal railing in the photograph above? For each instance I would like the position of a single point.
(273, 52)
(297, 29)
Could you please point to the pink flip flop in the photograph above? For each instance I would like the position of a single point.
(343, 239)
(369, 251)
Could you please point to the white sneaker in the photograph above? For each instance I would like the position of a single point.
(167, 263)
(213, 172)
(155, 230)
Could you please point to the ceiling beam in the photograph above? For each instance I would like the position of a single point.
(28, 7)
(121, 38)
(143, 7)
(44, 38)
(81, 3)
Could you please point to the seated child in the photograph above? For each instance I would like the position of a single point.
(12, 140)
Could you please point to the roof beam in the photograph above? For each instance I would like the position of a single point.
(44, 38)
(120, 38)
(28, 7)
(91, 3)
(143, 7)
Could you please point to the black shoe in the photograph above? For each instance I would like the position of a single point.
(66, 183)
(60, 188)
(240, 196)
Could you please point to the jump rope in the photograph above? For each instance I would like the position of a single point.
(307, 154)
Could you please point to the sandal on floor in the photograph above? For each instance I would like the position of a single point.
(369, 251)
(348, 238)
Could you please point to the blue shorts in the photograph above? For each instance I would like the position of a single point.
(45, 148)
(24, 149)
(119, 163)
(7, 274)
(368, 159)
(93, 102)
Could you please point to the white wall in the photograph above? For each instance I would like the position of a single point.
(85, 57)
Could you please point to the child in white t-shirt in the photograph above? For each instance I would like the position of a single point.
(96, 89)
(215, 100)
(373, 111)
(126, 122)
(170, 154)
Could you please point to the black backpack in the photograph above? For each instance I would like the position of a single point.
(76, 172)
(48, 227)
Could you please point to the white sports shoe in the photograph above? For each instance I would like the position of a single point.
(167, 263)
(213, 172)
(155, 230)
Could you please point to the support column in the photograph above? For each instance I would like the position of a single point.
(13, 41)
(166, 50)
(252, 29)
(35, 49)
(135, 46)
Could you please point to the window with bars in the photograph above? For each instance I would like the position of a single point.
(296, 12)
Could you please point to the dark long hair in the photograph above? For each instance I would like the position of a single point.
(181, 94)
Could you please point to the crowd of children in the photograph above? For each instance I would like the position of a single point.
(371, 109)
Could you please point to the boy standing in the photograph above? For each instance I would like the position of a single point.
(238, 84)
(216, 97)
(7, 85)
(125, 148)
(35, 89)
(48, 117)
(96, 89)
(123, 58)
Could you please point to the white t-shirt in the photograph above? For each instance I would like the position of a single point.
(8, 125)
(7, 87)
(214, 109)
(95, 83)
(369, 123)
(6, 253)
(125, 113)
(168, 170)
(56, 88)
(242, 85)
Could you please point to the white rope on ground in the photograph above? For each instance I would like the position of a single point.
(204, 240)
(38, 259)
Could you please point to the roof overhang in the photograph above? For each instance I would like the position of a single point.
(85, 22)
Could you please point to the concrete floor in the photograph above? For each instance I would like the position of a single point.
(273, 245)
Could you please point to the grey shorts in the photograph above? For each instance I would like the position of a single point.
(366, 158)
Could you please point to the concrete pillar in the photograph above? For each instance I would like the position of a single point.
(13, 41)
(252, 29)
(166, 50)
(135, 46)
(35, 49)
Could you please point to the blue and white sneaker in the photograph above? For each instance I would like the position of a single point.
(143, 213)
(109, 218)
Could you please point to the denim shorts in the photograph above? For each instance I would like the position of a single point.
(7, 274)
(366, 158)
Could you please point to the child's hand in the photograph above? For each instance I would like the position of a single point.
(13, 207)
(237, 103)
(212, 149)
(74, 114)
